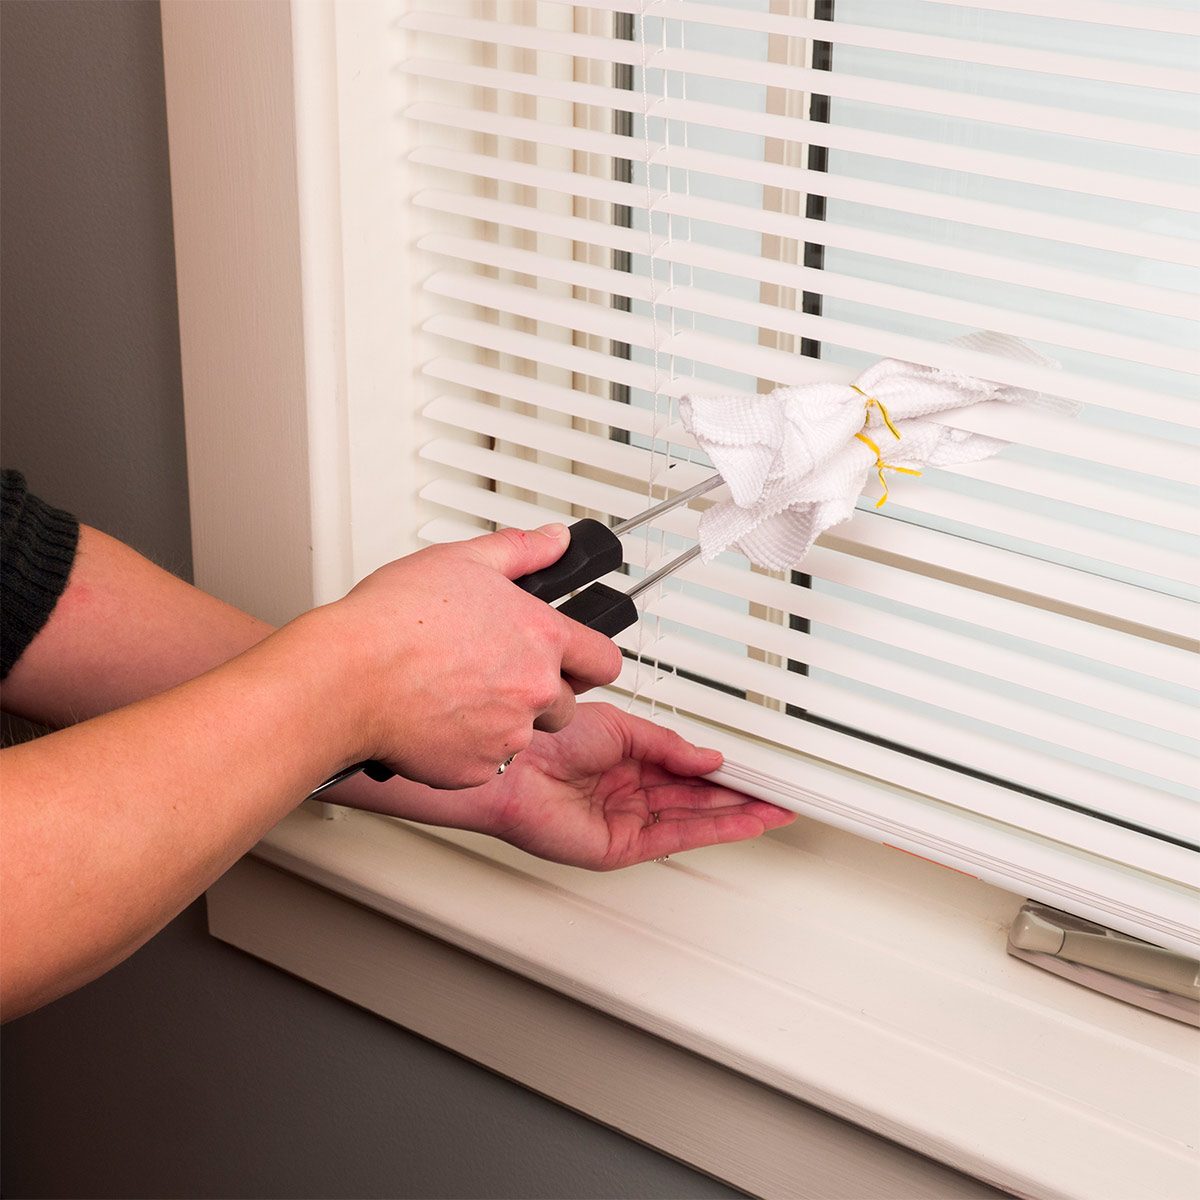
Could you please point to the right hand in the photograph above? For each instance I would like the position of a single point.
(462, 665)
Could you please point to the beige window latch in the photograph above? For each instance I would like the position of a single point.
(1113, 963)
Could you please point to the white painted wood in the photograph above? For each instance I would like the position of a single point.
(378, 271)
(852, 977)
(714, 1119)
(318, 187)
(234, 190)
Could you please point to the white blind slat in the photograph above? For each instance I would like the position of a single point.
(1077, 685)
(1096, 12)
(829, 283)
(984, 704)
(998, 757)
(920, 777)
(675, 692)
(899, 41)
(1068, 487)
(996, 268)
(1047, 431)
(767, 363)
(1039, 627)
(1103, 600)
(1157, 18)
(923, 495)
(1047, 173)
(930, 733)
(1021, 618)
(1112, 239)
(937, 101)
(785, 320)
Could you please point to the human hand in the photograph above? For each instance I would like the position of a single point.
(609, 791)
(460, 665)
(613, 790)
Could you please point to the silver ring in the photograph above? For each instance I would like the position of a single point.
(505, 764)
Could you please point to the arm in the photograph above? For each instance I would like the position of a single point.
(450, 639)
(122, 630)
(115, 824)
(126, 629)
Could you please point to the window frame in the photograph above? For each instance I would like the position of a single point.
(288, 341)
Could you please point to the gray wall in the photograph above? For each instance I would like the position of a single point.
(89, 376)
(193, 1070)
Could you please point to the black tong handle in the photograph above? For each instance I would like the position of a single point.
(594, 550)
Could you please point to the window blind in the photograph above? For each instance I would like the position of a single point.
(616, 204)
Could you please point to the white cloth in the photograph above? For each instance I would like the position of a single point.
(795, 467)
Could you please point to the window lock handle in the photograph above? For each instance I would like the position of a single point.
(1108, 961)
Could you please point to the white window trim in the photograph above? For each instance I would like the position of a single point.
(876, 987)
(269, 373)
(644, 1086)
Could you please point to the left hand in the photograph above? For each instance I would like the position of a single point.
(612, 790)
(608, 791)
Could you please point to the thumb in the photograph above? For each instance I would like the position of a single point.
(517, 552)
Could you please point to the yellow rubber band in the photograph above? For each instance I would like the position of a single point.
(881, 466)
(883, 412)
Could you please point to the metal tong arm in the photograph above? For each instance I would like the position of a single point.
(705, 485)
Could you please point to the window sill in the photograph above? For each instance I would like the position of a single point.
(844, 975)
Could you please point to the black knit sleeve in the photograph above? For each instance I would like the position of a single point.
(37, 548)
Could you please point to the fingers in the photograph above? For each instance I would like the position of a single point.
(577, 685)
(517, 552)
(680, 830)
(588, 658)
(650, 743)
(559, 714)
(771, 815)
(670, 794)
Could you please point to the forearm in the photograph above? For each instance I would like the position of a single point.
(123, 629)
(113, 825)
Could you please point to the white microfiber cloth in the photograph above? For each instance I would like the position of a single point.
(797, 459)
